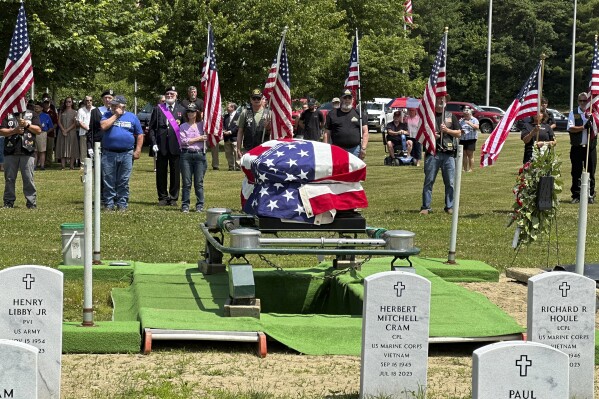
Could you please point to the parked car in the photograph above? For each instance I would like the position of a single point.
(376, 113)
(487, 120)
(492, 109)
(144, 118)
(561, 120)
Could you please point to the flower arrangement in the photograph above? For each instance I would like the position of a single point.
(532, 222)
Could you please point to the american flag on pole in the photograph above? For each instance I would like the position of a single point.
(525, 104)
(593, 104)
(18, 71)
(408, 19)
(352, 82)
(301, 180)
(278, 95)
(213, 123)
(435, 87)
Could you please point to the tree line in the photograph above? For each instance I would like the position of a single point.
(80, 47)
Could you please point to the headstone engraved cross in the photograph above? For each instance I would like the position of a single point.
(31, 313)
(561, 314)
(519, 370)
(395, 329)
(524, 364)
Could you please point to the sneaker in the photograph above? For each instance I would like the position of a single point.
(215, 168)
(575, 200)
(449, 210)
(31, 206)
(591, 200)
(425, 211)
(8, 205)
(108, 208)
(185, 209)
(163, 203)
(199, 208)
(121, 209)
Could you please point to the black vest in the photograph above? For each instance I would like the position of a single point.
(576, 138)
(25, 141)
(254, 134)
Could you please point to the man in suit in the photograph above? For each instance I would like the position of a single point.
(164, 133)
(230, 136)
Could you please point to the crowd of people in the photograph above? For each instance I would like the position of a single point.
(45, 134)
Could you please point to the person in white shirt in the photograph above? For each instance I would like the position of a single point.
(83, 119)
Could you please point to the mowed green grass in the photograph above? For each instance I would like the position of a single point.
(163, 234)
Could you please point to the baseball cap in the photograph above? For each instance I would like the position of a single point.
(108, 92)
(311, 102)
(346, 93)
(170, 88)
(336, 100)
(119, 99)
(256, 93)
(192, 107)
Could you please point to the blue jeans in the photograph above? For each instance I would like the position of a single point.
(431, 167)
(354, 150)
(116, 170)
(192, 164)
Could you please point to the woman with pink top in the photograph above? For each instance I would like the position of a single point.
(193, 158)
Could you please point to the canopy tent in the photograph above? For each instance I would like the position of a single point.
(404, 102)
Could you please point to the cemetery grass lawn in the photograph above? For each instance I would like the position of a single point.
(152, 234)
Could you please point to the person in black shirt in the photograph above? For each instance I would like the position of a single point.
(580, 131)
(395, 130)
(342, 128)
(539, 132)
(19, 131)
(311, 122)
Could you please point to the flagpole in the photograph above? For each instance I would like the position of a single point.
(573, 58)
(490, 24)
(445, 62)
(208, 55)
(540, 95)
(591, 116)
(277, 74)
(359, 87)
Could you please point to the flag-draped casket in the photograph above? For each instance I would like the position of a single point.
(302, 181)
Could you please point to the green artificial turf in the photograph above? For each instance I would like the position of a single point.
(103, 337)
(305, 309)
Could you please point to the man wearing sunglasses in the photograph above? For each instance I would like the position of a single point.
(165, 135)
(580, 130)
(254, 124)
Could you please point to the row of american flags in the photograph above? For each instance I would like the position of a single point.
(18, 79)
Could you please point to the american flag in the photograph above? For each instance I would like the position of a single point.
(352, 82)
(300, 180)
(213, 123)
(435, 87)
(525, 104)
(277, 93)
(593, 104)
(18, 71)
(408, 12)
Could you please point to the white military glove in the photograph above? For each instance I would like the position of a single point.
(155, 148)
(90, 152)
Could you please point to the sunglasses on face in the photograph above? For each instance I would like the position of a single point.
(256, 98)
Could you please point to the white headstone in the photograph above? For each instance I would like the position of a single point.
(31, 313)
(561, 314)
(18, 370)
(395, 325)
(519, 370)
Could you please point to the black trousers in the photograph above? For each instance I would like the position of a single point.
(164, 165)
(578, 156)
